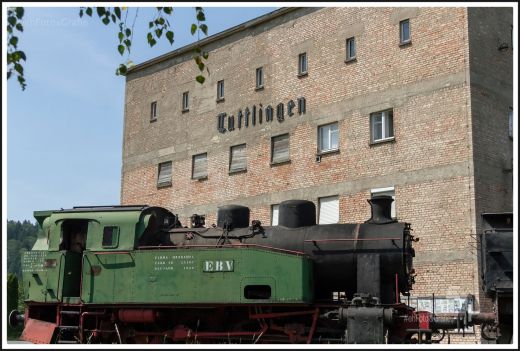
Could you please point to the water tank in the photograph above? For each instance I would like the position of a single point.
(233, 216)
(297, 213)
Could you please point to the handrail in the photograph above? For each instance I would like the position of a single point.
(357, 239)
(225, 246)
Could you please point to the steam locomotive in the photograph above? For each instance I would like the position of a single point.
(134, 274)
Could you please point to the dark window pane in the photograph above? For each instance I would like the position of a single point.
(110, 236)
(405, 31)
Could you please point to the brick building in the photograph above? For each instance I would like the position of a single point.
(334, 105)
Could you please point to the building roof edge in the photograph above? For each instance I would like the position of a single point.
(218, 36)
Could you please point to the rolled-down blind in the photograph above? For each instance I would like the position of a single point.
(280, 148)
(165, 172)
(329, 210)
(200, 166)
(274, 214)
(238, 158)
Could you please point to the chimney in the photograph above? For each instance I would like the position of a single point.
(381, 207)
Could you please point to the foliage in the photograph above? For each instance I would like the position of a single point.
(15, 56)
(20, 237)
(118, 16)
(12, 301)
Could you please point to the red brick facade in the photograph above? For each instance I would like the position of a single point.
(437, 161)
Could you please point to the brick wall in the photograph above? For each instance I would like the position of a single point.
(434, 163)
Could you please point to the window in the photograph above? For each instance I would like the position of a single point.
(511, 123)
(185, 101)
(275, 210)
(404, 31)
(302, 64)
(280, 148)
(382, 125)
(328, 137)
(329, 210)
(153, 111)
(110, 236)
(351, 49)
(200, 166)
(238, 161)
(165, 174)
(390, 191)
(220, 90)
(259, 78)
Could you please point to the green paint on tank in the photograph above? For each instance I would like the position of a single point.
(216, 275)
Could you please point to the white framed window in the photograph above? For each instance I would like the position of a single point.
(328, 137)
(389, 191)
(404, 31)
(280, 148)
(185, 101)
(302, 63)
(510, 120)
(351, 49)
(153, 111)
(275, 210)
(164, 174)
(220, 90)
(238, 158)
(199, 168)
(329, 209)
(382, 125)
(259, 77)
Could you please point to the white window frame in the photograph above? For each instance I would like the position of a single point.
(351, 41)
(320, 201)
(385, 116)
(259, 77)
(153, 111)
(220, 89)
(302, 61)
(401, 32)
(186, 101)
(381, 191)
(320, 137)
(275, 209)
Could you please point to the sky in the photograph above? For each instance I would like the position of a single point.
(65, 131)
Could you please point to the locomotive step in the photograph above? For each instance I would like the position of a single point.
(66, 342)
(69, 312)
(68, 327)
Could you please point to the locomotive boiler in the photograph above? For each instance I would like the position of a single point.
(134, 274)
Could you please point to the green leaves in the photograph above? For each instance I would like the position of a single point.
(121, 70)
(199, 56)
(157, 27)
(169, 36)
(19, 12)
(100, 11)
(15, 56)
